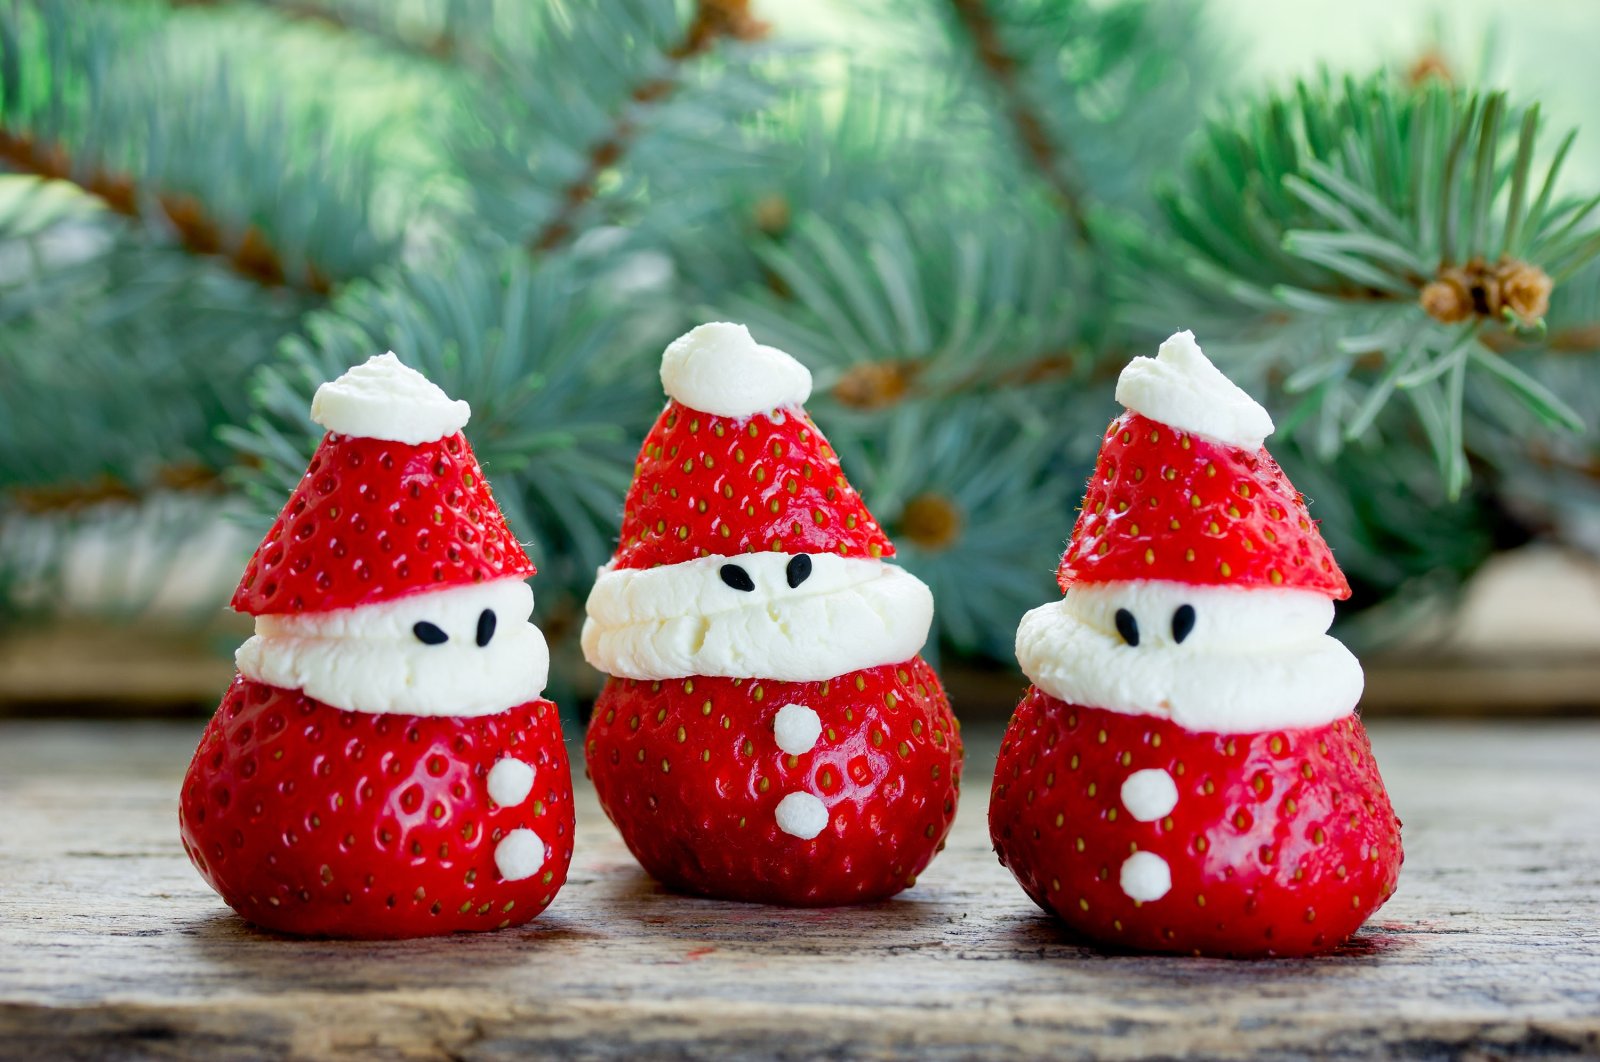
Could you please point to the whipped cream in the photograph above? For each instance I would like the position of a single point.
(1180, 387)
(1255, 659)
(719, 368)
(682, 619)
(385, 399)
(370, 659)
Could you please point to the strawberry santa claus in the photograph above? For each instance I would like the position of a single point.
(384, 765)
(769, 732)
(1187, 772)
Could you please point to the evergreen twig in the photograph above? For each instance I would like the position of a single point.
(250, 255)
(712, 20)
(1049, 156)
(441, 46)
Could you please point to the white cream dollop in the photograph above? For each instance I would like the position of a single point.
(1180, 387)
(382, 398)
(369, 659)
(680, 620)
(1255, 659)
(719, 368)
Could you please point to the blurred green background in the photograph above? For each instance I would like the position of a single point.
(964, 215)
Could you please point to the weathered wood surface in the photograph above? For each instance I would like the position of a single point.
(110, 945)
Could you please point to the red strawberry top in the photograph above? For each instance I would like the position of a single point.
(1184, 490)
(744, 550)
(1170, 504)
(707, 485)
(735, 465)
(381, 513)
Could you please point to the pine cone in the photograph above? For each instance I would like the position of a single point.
(1524, 290)
(1448, 299)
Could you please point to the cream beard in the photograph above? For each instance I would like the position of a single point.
(370, 659)
(1256, 659)
(684, 619)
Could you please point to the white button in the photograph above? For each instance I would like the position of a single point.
(797, 728)
(802, 815)
(510, 782)
(1149, 794)
(1145, 877)
(519, 855)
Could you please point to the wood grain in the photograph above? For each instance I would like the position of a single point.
(111, 946)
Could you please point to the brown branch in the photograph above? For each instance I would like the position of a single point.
(104, 489)
(250, 254)
(1052, 159)
(713, 20)
(1546, 458)
(880, 384)
(442, 47)
(1576, 339)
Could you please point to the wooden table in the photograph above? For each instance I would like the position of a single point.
(110, 945)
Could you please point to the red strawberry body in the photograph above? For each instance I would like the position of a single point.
(1166, 504)
(691, 774)
(768, 482)
(320, 822)
(1280, 843)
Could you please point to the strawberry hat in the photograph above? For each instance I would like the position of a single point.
(1184, 490)
(393, 503)
(734, 464)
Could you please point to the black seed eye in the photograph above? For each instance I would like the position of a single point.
(798, 570)
(737, 577)
(485, 627)
(1182, 622)
(428, 634)
(1127, 626)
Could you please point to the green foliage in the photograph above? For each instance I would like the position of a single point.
(593, 114)
(1311, 224)
(163, 112)
(965, 500)
(965, 226)
(556, 377)
(1088, 94)
(100, 334)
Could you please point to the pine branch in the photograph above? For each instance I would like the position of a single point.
(76, 496)
(712, 20)
(967, 488)
(151, 114)
(442, 46)
(250, 254)
(1052, 158)
(1363, 242)
(889, 307)
(444, 32)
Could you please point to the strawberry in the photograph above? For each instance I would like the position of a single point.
(1156, 489)
(692, 773)
(424, 512)
(320, 822)
(1277, 843)
(768, 481)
